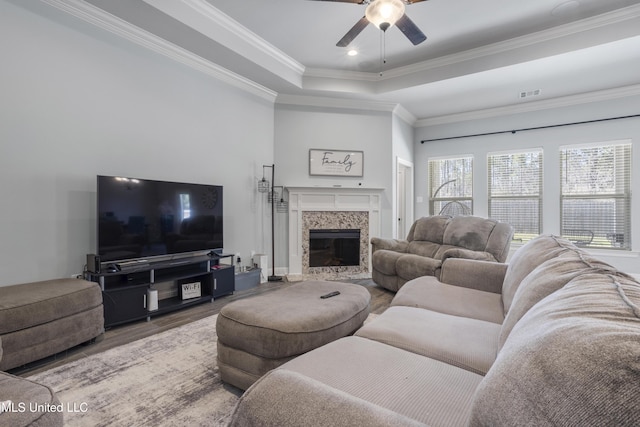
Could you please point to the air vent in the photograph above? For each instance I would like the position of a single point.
(529, 94)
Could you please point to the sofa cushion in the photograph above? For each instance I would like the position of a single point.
(33, 404)
(385, 261)
(470, 344)
(547, 278)
(417, 387)
(307, 401)
(466, 254)
(423, 248)
(31, 304)
(526, 259)
(410, 266)
(468, 232)
(431, 228)
(500, 241)
(429, 293)
(573, 359)
(442, 249)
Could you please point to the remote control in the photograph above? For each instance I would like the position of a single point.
(330, 294)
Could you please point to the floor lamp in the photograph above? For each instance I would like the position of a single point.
(263, 187)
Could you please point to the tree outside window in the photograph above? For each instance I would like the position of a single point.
(596, 195)
(451, 186)
(515, 191)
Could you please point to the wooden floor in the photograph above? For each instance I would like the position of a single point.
(124, 334)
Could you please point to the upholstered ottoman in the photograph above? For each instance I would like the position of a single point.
(260, 333)
(40, 319)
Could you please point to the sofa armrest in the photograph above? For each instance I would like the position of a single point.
(482, 275)
(467, 254)
(389, 244)
(285, 398)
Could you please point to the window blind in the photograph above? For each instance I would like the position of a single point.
(515, 191)
(451, 186)
(596, 195)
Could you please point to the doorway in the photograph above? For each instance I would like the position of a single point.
(404, 197)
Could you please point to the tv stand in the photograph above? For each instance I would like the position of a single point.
(124, 290)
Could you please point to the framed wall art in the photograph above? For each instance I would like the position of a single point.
(336, 162)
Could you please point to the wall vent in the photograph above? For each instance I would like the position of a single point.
(529, 93)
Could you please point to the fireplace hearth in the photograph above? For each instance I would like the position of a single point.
(334, 247)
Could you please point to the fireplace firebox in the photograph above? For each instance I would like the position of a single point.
(334, 247)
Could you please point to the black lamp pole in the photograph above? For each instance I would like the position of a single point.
(273, 277)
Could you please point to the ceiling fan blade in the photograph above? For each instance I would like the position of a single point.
(410, 30)
(410, 1)
(353, 32)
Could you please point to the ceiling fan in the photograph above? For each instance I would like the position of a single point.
(383, 14)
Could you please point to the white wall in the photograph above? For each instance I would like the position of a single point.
(299, 128)
(78, 102)
(550, 140)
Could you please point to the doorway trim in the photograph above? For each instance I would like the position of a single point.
(404, 198)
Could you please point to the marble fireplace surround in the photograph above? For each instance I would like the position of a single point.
(334, 208)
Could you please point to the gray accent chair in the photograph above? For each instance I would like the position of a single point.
(431, 241)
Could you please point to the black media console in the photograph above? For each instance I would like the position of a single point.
(125, 288)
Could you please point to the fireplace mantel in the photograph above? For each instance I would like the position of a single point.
(329, 199)
(333, 188)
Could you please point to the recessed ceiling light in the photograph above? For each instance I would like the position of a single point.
(352, 52)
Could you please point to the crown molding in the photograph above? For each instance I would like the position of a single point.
(225, 21)
(108, 22)
(548, 104)
(348, 104)
(588, 24)
(203, 17)
(337, 103)
(325, 73)
(551, 34)
(405, 115)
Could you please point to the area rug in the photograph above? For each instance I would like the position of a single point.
(168, 379)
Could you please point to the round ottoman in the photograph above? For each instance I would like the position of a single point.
(260, 333)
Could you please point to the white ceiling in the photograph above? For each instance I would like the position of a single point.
(478, 55)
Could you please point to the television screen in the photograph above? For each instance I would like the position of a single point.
(141, 218)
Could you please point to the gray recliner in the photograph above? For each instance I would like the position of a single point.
(433, 239)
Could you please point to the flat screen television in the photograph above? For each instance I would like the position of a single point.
(141, 219)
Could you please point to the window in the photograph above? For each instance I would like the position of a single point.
(185, 206)
(451, 186)
(596, 195)
(515, 191)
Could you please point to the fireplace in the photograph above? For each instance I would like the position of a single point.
(337, 233)
(335, 208)
(334, 247)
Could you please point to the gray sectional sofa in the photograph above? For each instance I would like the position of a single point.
(432, 240)
(551, 338)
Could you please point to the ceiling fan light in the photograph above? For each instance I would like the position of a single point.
(380, 12)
